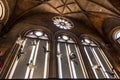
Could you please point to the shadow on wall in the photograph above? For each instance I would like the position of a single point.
(109, 24)
(108, 28)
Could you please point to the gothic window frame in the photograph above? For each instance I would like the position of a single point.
(112, 37)
(60, 34)
(98, 45)
(114, 33)
(21, 41)
(2, 10)
(5, 11)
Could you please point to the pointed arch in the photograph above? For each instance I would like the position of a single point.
(69, 59)
(32, 57)
(98, 60)
(115, 34)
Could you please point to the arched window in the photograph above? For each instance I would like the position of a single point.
(2, 10)
(32, 58)
(70, 63)
(99, 64)
(117, 36)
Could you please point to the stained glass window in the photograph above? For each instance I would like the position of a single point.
(2, 10)
(117, 36)
(32, 59)
(70, 63)
(98, 61)
(62, 22)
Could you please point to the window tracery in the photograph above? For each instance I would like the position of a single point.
(70, 63)
(98, 61)
(32, 59)
(2, 10)
(62, 22)
(117, 36)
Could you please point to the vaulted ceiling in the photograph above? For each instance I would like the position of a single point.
(93, 12)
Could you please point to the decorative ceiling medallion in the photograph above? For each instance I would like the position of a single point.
(2, 10)
(62, 22)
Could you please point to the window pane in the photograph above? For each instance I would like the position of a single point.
(64, 60)
(33, 61)
(23, 60)
(71, 66)
(77, 64)
(99, 63)
(40, 61)
(93, 62)
(118, 35)
(108, 69)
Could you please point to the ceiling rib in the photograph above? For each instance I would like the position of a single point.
(54, 8)
(118, 13)
(86, 14)
(82, 10)
(89, 12)
(66, 5)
